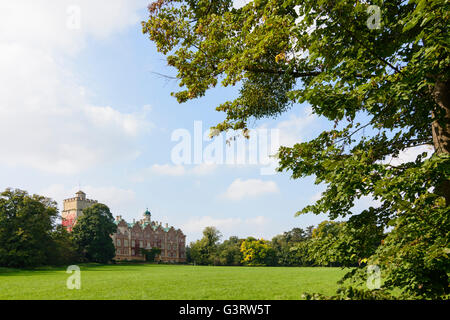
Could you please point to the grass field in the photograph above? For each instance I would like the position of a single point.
(169, 282)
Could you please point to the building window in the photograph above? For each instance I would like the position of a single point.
(141, 244)
(118, 242)
(125, 243)
(132, 252)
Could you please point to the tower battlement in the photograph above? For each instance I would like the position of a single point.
(78, 199)
(73, 208)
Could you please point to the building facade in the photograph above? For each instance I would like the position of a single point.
(73, 208)
(130, 238)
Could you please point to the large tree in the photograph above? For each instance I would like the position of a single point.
(63, 250)
(258, 252)
(204, 251)
(26, 226)
(288, 247)
(385, 86)
(229, 252)
(92, 234)
(346, 244)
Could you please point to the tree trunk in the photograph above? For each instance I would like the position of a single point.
(441, 129)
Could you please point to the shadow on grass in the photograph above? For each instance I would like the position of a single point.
(52, 269)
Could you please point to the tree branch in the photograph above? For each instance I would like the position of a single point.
(280, 72)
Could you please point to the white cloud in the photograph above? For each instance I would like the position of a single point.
(316, 197)
(203, 169)
(198, 224)
(111, 196)
(292, 130)
(105, 117)
(240, 3)
(117, 199)
(174, 171)
(409, 155)
(52, 25)
(240, 189)
(286, 133)
(254, 226)
(168, 170)
(46, 119)
(365, 202)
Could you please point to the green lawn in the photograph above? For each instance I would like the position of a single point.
(169, 282)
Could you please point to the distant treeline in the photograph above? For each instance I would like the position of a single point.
(329, 244)
(30, 236)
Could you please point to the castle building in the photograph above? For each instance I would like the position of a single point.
(73, 208)
(130, 238)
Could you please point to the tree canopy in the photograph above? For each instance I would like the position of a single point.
(385, 88)
(257, 252)
(204, 251)
(26, 226)
(92, 234)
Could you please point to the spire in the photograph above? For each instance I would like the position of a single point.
(147, 215)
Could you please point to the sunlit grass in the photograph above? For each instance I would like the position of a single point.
(151, 281)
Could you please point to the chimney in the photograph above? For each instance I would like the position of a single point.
(167, 225)
(117, 218)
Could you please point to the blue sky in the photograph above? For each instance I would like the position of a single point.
(81, 106)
